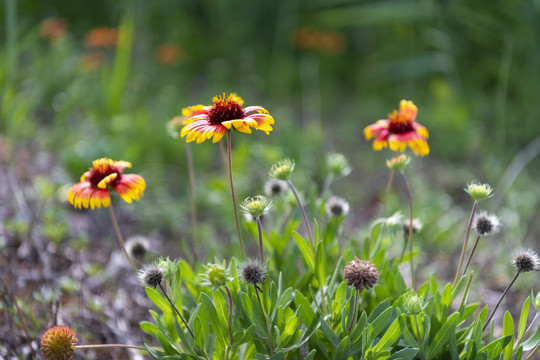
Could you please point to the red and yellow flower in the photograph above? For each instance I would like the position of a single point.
(400, 130)
(94, 189)
(212, 122)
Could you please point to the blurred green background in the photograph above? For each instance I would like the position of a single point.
(324, 69)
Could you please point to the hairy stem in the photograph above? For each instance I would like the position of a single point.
(231, 338)
(388, 188)
(470, 256)
(176, 310)
(354, 312)
(465, 243)
(304, 216)
(409, 199)
(119, 236)
(270, 343)
(259, 228)
(500, 300)
(233, 194)
(194, 227)
(103, 346)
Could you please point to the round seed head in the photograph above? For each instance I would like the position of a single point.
(137, 247)
(337, 164)
(361, 274)
(275, 187)
(416, 226)
(256, 206)
(58, 343)
(253, 272)
(150, 275)
(486, 224)
(282, 170)
(479, 192)
(398, 163)
(336, 206)
(526, 260)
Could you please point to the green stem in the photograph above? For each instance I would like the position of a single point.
(259, 228)
(466, 293)
(465, 243)
(304, 216)
(270, 343)
(233, 194)
(191, 174)
(533, 352)
(119, 236)
(500, 300)
(176, 310)
(470, 256)
(354, 312)
(409, 199)
(231, 338)
(388, 188)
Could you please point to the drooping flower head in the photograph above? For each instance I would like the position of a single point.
(58, 343)
(361, 274)
(105, 175)
(227, 113)
(399, 130)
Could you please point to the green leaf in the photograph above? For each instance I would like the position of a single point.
(508, 330)
(306, 312)
(381, 321)
(330, 334)
(289, 329)
(523, 319)
(320, 268)
(305, 248)
(311, 355)
(159, 300)
(208, 306)
(390, 336)
(342, 351)
(405, 354)
(447, 330)
(533, 341)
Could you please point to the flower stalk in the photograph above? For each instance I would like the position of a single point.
(229, 157)
(465, 243)
(176, 310)
(409, 199)
(119, 236)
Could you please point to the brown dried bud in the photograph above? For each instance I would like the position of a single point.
(361, 274)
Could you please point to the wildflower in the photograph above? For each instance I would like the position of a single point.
(361, 274)
(486, 224)
(137, 247)
(282, 170)
(92, 61)
(150, 275)
(94, 189)
(253, 272)
(479, 192)
(337, 164)
(275, 187)
(58, 343)
(53, 29)
(256, 206)
(227, 113)
(416, 226)
(175, 125)
(336, 206)
(398, 163)
(399, 130)
(526, 260)
(215, 275)
(101, 37)
(167, 54)
(414, 305)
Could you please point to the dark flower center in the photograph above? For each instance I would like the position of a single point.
(96, 175)
(225, 109)
(483, 226)
(336, 209)
(400, 127)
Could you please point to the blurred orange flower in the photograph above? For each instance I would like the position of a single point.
(168, 54)
(104, 37)
(324, 41)
(94, 189)
(53, 29)
(400, 130)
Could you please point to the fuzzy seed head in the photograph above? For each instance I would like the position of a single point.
(526, 260)
(137, 247)
(486, 224)
(253, 272)
(337, 164)
(361, 274)
(336, 206)
(398, 163)
(256, 206)
(479, 192)
(416, 226)
(150, 275)
(58, 343)
(282, 170)
(275, 187)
